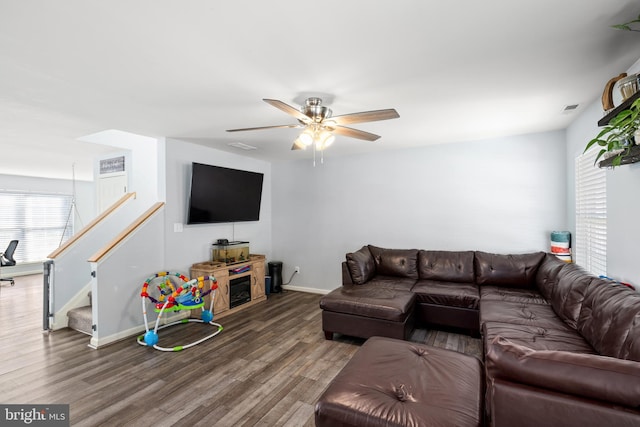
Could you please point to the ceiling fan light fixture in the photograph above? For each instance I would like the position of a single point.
(298, 145)
(306, 138)
(324, 140)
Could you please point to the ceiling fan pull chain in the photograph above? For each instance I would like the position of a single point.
(314, 155)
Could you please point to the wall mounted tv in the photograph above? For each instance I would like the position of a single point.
(223, 195)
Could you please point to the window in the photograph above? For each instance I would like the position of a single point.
(39, 221)
(591, 214)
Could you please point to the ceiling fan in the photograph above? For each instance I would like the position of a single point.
(320, 127)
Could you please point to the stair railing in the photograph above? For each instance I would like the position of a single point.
(67, 270)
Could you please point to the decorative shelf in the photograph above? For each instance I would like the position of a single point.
(632, 157)
(611, 114)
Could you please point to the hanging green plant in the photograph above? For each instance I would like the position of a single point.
(618, 136)
(627, 25)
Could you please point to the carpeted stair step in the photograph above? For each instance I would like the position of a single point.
(81, 319)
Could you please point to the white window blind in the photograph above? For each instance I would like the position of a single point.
(591, 214)
(38, 221)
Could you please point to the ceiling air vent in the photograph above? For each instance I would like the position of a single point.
(570, 108)
(242, 146)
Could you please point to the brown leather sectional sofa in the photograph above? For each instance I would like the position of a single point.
(562, 347)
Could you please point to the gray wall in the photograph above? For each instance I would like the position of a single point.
(502, 195)
(193, 244)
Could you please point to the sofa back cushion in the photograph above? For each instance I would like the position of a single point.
(361, 265)
(395, 262)
(547, 275)
(568, 294)
(610, 319)
(513, 271)
(588, 375)
(446, 266)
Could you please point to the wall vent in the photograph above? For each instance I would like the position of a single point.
(113, 165)
(570, 108)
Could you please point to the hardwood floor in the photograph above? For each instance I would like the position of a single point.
(267, 367)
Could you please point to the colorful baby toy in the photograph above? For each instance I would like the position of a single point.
(184, 295)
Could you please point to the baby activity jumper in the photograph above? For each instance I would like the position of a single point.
(184, 294)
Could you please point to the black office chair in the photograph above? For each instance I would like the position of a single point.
(6, 260)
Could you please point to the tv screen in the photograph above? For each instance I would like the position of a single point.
(223, 195)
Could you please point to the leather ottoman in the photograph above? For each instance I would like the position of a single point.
(398, 383)
(364, 311)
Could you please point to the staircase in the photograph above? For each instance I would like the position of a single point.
(81, 319)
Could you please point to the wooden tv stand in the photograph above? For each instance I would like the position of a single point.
(224, 274)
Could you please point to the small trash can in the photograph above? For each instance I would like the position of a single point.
(275, 271)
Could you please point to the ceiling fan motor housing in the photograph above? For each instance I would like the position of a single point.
(314, 109)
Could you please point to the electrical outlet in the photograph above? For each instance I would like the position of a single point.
(297, 269)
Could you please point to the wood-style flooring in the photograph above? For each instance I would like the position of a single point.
(267, 367)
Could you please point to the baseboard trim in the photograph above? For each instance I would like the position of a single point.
(305, 289)
(96, 343)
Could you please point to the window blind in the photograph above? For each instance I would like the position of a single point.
(591, 214)
(38, 221)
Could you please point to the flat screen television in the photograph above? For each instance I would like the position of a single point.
(223, 195)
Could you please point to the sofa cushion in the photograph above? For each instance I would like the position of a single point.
(547, 275)
(391, 282)
(446, 266)
(451, 294)
(561, 338)
(513, 271)
(367, 301)
(518, 295)
(568, 293)
(610, 319)
(361, 265)
(516, 313)
(395, 262)
(593, 376)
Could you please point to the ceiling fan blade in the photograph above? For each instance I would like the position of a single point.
(267, 127)
(292, 111)
(365, 116)
(355, 133)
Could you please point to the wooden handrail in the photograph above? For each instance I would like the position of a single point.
(92, 224)
(120, 237)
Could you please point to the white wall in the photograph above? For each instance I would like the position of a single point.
(145, 174)
(503, 195)
(193, 243)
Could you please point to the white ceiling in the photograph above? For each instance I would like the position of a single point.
(453, 70)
